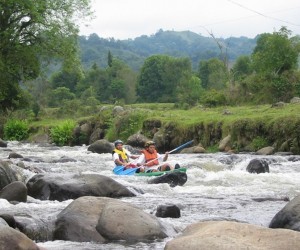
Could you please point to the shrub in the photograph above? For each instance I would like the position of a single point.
(258, 143)
(16, 130)
(213, 98)
(62, 134)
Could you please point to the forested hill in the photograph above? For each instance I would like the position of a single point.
(133, 52)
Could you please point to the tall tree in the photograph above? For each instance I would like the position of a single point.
(122, 81)
(96, 78)
(275, 53)
(160, 76)
(150, 83)
(213, 74)
(32, 31)
(109, 59)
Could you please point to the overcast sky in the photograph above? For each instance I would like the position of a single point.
(123, 19)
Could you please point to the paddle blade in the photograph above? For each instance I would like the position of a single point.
(118, 170)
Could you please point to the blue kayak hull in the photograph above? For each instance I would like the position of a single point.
(119, 170)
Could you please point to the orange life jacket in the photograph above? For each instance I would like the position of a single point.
(151, 157)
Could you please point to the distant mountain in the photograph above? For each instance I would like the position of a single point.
(177, 44)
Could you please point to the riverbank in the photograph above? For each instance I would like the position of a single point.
(234, 129)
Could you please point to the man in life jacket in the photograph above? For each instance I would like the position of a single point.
(121, 156)
(150, 159)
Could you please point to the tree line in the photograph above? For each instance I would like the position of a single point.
(172, 43)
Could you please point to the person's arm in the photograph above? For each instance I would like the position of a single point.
(166, 156)
(131, 155)
(141, 160)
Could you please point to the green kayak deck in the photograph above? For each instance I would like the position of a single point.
(160, 172)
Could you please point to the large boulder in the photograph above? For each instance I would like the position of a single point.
(101, 146)
(173, 179)
(117, 110)
(97, 134)
(81, 133)
(225, 143)
(15, 191)
(198, 149)
(122, 221)
(9, 219)
(13, 239)
(104, 219)
(14, 155)
(71, 186)
(220, 235)
(78, 221)
(137, 140)
(7, 174)
(295, 99)
(289, 216)
(258, 166)
(3, 144)
(266, 151)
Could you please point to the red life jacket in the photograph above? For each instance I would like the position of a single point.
(151, 157)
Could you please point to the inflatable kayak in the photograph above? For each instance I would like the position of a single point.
(119, 170)
(161, 172)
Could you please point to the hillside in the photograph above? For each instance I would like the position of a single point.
(178, 44)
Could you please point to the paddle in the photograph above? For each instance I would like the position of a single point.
(132, 171)
(118, 169)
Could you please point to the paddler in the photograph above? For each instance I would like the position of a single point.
(149, 159)
(121, 156)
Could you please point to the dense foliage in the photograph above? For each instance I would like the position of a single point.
(32, 32)
(272, 73)
(62, 134)
(17, 130)
(161, 78)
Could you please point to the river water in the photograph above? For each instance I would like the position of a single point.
(218, 187)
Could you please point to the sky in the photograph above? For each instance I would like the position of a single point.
(128, 19)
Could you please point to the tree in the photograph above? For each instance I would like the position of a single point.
(58, 95)
(160, 76)
(66, 78)
(96, 78)
(109, 59)
(275, 53)
(31, 32)
(150, 82)
(213, 74)
(241, 68)
(122, 81)
(274, 62)
(190, 91)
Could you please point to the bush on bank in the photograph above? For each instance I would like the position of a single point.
(16, 130)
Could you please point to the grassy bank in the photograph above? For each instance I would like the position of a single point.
(248, 125)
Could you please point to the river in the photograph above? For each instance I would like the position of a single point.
(218, 187)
